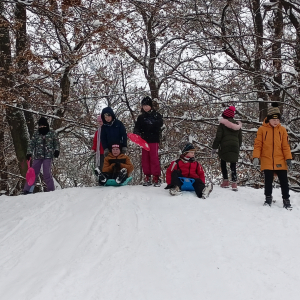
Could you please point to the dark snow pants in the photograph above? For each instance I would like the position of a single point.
(224, 170)
(282, 176)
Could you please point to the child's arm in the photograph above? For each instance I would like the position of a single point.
(258, 143)
(286, 146)
(94, 147)
(128, 165)
(123, 135)
(103, 138)
(218, 137)
(107, 166)
(138, 126)
(200, 172)
(171, 168)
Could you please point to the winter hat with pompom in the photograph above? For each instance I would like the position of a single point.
(229, 112)
(273, 112)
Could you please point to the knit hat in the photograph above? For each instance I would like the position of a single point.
(99, 119)
(188, 147)
(273, 112)
(115, 145)
(229, 112)
(147, 101)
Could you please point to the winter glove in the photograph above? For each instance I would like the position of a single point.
(106, 151)
(124, 150)
(255, 162)
(97, 171)
(56, 153)
(289, 163)
(213, 152)
(28, 156)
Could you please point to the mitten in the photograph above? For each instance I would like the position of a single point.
(213, 152)
(124, 150)
(106, 151)
(56, 153)
(289, 163)
(255, 162)
(28, 156)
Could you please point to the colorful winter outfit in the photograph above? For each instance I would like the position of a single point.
(228, 141)
(187, 167)
(148, 126)
(43, 146)
(272, 147)
(115, 167)
(97, 146)
(112, 132)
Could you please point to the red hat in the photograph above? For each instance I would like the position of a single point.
(229, 112)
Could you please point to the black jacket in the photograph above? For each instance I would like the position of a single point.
(148, 126)
(113, 132)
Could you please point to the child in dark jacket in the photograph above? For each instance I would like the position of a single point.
(43, 146)
(97, 147)
(186, 166)
(112, 131)
(148, 126)
(228, 142)
(116, 166)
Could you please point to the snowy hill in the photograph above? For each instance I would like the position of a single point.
(135, 243)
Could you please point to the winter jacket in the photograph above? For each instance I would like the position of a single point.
(94, 147)
(113, 164)
(43, 146)
(148, 126)
(272, 147)
(188, 169)
(228, 140)
(113, 132)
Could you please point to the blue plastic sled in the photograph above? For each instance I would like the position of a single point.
(112, 182)
(187, 184)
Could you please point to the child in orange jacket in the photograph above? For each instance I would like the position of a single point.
(272, 147)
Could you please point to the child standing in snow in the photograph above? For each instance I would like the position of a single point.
(148, 126)
(272, 147)
(112, 131)
(186, 166)
(43, 146)
(97, 147)
(228, 141)
(116, 166)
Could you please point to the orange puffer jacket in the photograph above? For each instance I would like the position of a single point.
(272, 147)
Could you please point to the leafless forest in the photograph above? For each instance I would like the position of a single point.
(68, 59)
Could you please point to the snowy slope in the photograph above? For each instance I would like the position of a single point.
(138, 243)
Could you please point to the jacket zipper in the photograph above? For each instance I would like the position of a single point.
(273, 150)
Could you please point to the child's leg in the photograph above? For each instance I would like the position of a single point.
(233, 172)
(154, 159)
(36, 165)
(284, 184)
(269, 175)
(199, 187)
(175, 181)
(47, 174)
(146, 162)
(101, 161)
(224, 169)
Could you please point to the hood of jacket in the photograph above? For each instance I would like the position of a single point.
(110, 111)
(231, 124)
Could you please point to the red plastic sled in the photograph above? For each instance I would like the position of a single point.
(30, 175)
(139, 141)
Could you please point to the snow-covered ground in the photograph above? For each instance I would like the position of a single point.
(136, 243)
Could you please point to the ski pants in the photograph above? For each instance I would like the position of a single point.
(36, 165)
(282, 176)
(198, 184)
(150, 160)
(224, 170)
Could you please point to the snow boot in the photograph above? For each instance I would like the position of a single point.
(268, 200)
(102, 178)
(175, 191)
(287, 204)
(97, 171)
(225, 183)
(122, 176)
(234, 186)
(207, 190)
(156, 181)
(147, 180)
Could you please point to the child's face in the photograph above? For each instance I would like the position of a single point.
(108, 118)
(190, 154)
(146, 108)
(115, 151)
(274, 122)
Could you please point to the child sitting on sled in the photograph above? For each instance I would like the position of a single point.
(186, 166)
(116, 166)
